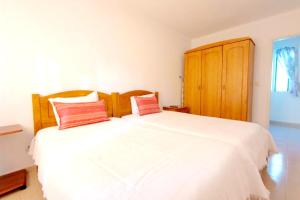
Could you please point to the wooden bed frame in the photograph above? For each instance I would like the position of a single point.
(43, 116)
(121, 102)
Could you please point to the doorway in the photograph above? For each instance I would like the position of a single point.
(285, 89)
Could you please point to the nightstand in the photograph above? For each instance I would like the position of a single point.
(15, 180)
(177, 109)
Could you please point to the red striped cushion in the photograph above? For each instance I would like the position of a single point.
(147, 105)
(77, 114)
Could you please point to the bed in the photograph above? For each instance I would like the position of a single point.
(123, 159)
(250, 138)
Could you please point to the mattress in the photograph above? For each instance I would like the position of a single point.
(122, 160)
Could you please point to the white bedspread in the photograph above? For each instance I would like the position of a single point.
(252, 138)
(119, 160)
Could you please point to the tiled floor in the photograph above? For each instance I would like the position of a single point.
(282, 177)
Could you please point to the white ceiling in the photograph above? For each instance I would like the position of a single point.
(195, 18)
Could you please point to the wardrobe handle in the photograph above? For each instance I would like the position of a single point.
(199, 87)
(223, 87)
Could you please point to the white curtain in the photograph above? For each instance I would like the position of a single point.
(288, 57)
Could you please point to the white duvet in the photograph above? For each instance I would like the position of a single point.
(249, 137)
(120, 160)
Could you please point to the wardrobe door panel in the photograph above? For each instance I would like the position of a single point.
(211, 71)
(192, 79)
(235, 80)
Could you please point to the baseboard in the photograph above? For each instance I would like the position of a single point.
(286, 124)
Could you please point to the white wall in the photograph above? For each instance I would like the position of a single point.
(284, 106)
(52, 45)
(263, 32)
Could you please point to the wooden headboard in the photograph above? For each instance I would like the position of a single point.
(121, 102)
(43, 116)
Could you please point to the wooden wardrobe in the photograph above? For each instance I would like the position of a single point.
(218, 79)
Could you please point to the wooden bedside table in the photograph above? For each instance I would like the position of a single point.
(177, 109)
(15, 180)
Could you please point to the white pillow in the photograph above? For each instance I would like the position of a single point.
(134, 107)
(92, 97)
